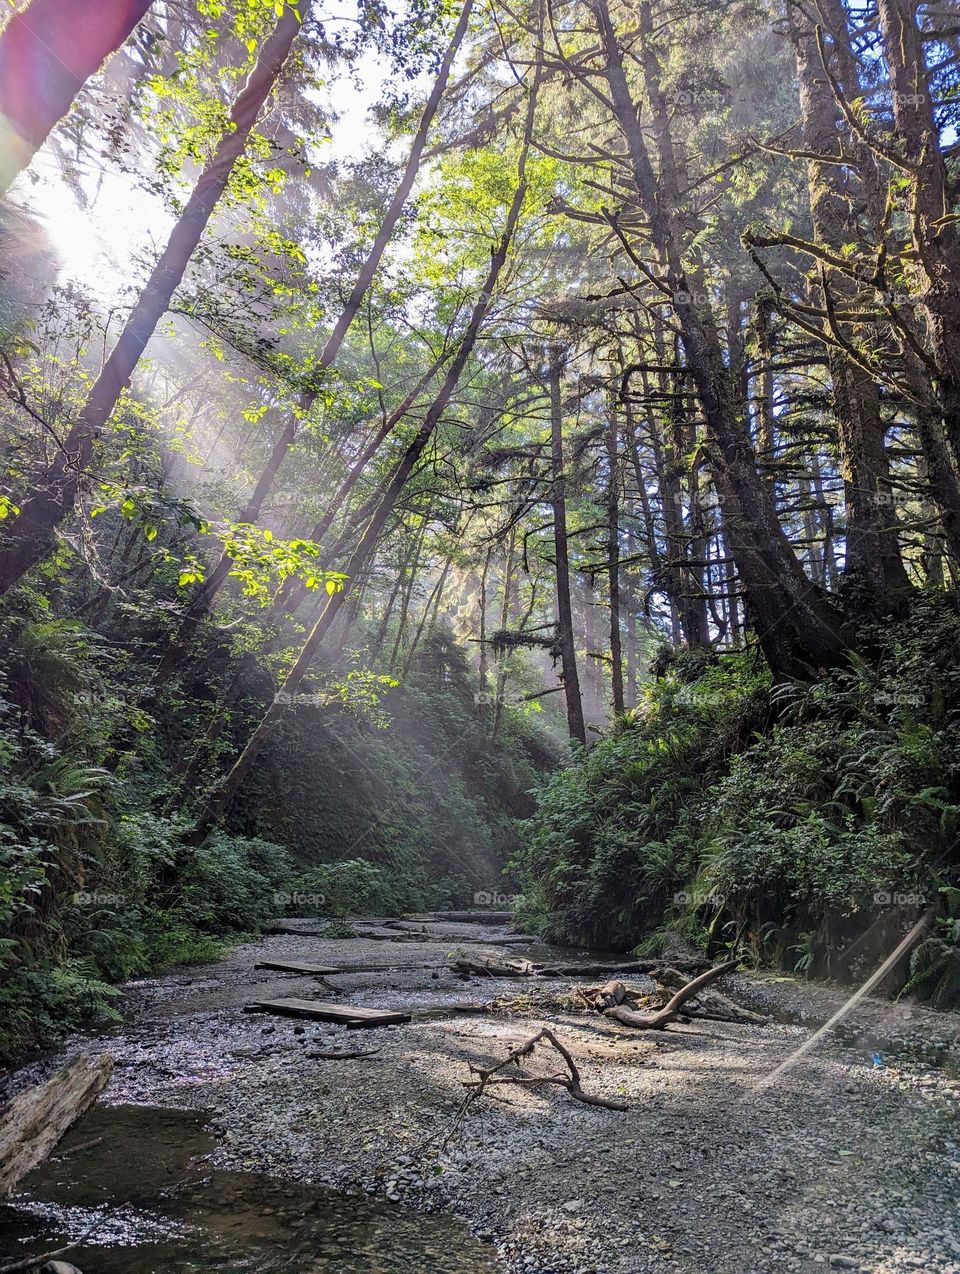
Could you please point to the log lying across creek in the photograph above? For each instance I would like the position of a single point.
(296, 966)
(502, 967)
(37, 1119)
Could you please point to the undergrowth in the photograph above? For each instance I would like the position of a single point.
(809, 826)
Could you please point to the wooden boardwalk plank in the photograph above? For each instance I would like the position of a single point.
(327, 1011)
(295, 966)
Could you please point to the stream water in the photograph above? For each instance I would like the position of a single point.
(137, 1182)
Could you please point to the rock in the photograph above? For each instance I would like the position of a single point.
(839, 1262)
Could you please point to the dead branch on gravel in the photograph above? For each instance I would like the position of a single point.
(487, 1077)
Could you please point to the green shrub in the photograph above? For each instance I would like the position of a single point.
(786, 822)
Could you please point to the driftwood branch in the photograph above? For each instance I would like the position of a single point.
(708, 1004)
(570, 1081)
(671, 1010)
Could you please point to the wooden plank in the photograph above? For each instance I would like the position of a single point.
(296, 966)
(326, 1011)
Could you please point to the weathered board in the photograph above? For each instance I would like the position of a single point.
(296, 966)
(326, 1011)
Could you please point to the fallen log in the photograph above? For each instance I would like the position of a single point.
(671, 1010)
(38, 1118)
(349, 1015)
(493, 967)
(596, 970)
(296, 966)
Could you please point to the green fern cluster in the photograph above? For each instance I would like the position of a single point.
(809, 825)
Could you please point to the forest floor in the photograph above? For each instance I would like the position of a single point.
(848, 1160)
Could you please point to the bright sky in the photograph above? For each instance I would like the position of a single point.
(98, 246)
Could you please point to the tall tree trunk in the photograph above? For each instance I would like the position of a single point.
(482, 661)
(565, 630)
(613, 563)
(935, 239)
(202, 603)
(874, 574)
(409, 578)
(913, 116)
(220, 799)
(433, 601)
(796, 625)
(47, 53)
(505, 609)
(32, 535)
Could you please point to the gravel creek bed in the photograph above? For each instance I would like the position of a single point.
(848, 1159)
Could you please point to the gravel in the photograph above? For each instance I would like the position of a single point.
(724, 1163)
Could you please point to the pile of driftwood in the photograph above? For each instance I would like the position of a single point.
(675, 997)
(676, 989)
